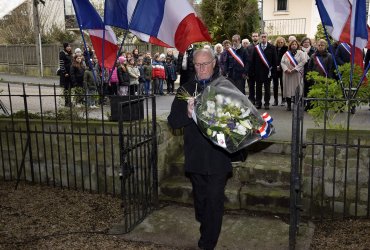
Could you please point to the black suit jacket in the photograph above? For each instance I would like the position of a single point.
(258, 69)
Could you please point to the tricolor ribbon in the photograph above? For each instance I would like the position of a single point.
(264, 130)
(267, 118)
(319, 62)
(291, 58)
(262, 56)
(347, 48)
(236, 57)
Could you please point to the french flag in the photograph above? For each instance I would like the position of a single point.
(89, 19)
(345, 21)
(170, 22)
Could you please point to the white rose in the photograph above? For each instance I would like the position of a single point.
(219, 99)
(246, 123)
(227, 100)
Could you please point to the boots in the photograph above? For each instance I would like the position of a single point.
(289, 103)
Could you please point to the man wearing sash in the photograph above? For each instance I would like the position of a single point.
(343, 54)
(237, 63)
(251, 80)
(263, 68)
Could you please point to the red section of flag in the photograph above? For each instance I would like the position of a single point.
(190, 30)
(110, 51)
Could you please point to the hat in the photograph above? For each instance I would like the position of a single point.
(78, 50)
(121, 59)
(65, 45)
(162, 56)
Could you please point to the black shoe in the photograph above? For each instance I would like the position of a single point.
(267, 107)
(258, 107)
(275, 104)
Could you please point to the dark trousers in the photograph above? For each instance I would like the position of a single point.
(278, 79)
(252, 89)
(209, 197)
(239, 82)
(170, 86)
(266, 86)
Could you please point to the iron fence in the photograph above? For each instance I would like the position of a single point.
(83, 148)
(330, 168)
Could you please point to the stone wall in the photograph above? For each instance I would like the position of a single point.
(336, 176)
(84, 160)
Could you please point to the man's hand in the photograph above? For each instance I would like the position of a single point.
(190, 106)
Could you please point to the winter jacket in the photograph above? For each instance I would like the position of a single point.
(114, 77)
(158, 70)
(148, 72)
(171, 71)
(123, 77)
(134, 74)
(89, 81)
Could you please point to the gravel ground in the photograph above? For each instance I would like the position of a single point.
(40, 217)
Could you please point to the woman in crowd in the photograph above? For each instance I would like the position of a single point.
(292, 64)
(123, 77)
(135, 54)
(77, 77)
(134, 75)
(306, 46)
(281, 48)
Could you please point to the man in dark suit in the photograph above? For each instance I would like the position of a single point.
(251, 80)
(236, 65)
(185, 66)
(263, 68)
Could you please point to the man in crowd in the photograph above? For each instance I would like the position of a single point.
(207, 165)
(251, 80)
(236, 66)
(263, 68)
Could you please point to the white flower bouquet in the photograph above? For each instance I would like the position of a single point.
(228, 118)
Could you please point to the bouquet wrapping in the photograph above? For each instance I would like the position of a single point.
(228, 118)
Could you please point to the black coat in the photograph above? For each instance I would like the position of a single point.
(258, 69)
(77, 76)
(188, 74)
(65, 61)
(279, 53)
(232, 68)
(123, 77)
(327, 61)
(341, 55)
(201, 155)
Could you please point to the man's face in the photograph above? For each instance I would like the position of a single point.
(321, 47)
(204, 65)
(227, 45)
(255, 37)
(264, 38)
(235, 41)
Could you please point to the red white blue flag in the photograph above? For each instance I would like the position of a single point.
(171, 22)
(346, 22)
(89, 19)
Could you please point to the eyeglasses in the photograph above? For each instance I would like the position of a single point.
(201, 65)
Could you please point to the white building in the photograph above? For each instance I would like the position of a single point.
(284, 17)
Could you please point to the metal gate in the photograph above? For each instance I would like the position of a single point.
(330, 167)
(138, 150)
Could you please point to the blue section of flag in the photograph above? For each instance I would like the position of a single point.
(325, 18)
(147, 17)
(87, 16)
(115, 13)
(360, 19)
(152, 11)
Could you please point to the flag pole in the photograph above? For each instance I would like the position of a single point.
(124, 36)
(331, 48)
(84, 41)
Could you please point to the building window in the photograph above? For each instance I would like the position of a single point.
(282, 5)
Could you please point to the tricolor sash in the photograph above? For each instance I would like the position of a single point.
(291, 58)
(347, 48)
(236, 56)
(263, 58)
(319, 63)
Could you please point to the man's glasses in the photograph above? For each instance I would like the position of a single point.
(201, 65)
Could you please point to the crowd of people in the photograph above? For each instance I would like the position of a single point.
(251, 66)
